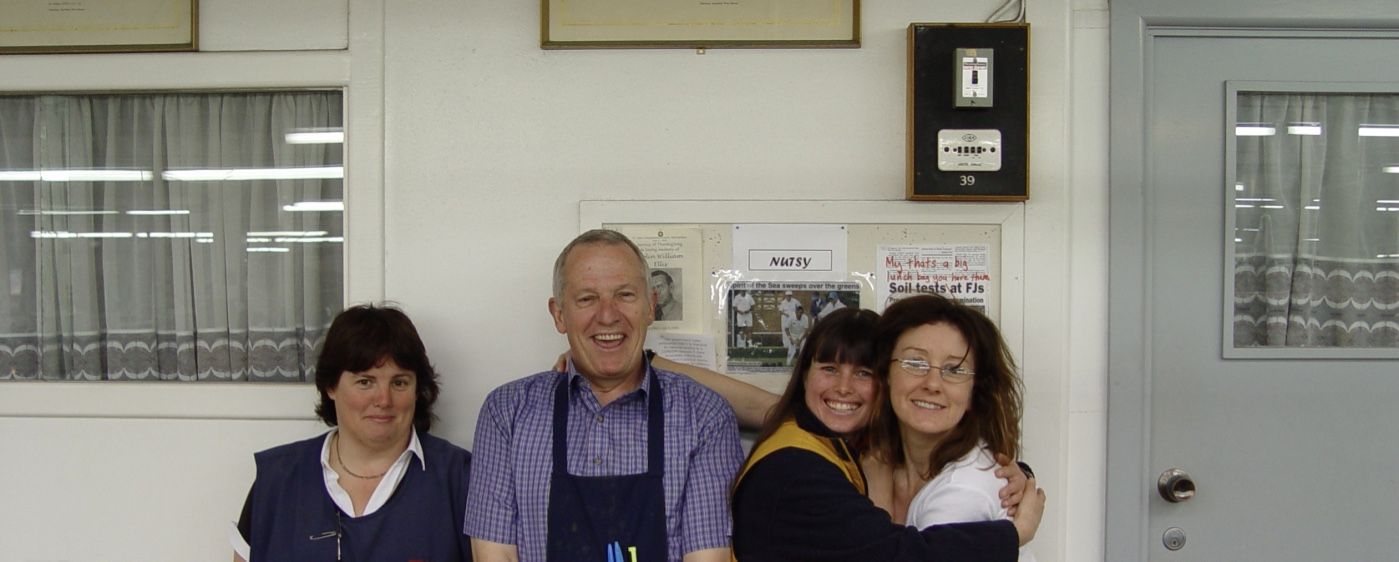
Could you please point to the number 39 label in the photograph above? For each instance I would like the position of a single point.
(967, 180)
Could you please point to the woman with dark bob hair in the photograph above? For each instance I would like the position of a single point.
(376, 486)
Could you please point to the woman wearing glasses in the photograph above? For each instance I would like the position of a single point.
(801, 495)
(954, 404)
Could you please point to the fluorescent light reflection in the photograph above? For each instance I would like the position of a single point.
(1309, 129)
(136, 212)
(66, 234)
(248, 174)
(202, 237)
(312, 206)
(46, 213)
(157, 212)
(316, 136)
(20, 175)
(1255, 130)
(96, 175)
(1391, 169)
(293, 237)
(288, 233)
(326, 239)
(213, 174)
(1256, 199)
(268, 250)
(1379, 130)
(76, 175)
(1238, 187)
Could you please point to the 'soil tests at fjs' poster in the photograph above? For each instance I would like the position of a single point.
(958, 271)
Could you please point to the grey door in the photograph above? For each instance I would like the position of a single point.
(1294, 454)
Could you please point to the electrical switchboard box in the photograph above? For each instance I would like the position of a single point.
(968, 111)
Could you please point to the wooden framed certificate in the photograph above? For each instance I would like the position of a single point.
(85, 26)
(698, 24)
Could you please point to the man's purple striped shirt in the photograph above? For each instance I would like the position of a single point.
(512, 458)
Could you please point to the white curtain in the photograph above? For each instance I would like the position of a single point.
(1316, 244)
(98, 288)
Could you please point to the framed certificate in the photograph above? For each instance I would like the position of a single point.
(86, 26)
(698, 24)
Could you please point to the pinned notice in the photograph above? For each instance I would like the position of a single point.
(790, 252)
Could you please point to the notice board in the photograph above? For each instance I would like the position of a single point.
(889, 247)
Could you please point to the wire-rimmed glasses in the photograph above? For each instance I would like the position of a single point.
(921, 368)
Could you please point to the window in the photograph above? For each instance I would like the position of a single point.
(1315, 217)
(188, 236)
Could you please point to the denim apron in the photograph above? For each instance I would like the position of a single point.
(608, 518)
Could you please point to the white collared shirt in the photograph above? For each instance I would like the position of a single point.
(387, 485)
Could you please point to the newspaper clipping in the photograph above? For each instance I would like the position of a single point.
(769, 320)
(675, 278)
(957, 271)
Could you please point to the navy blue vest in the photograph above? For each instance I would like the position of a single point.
(293, 519)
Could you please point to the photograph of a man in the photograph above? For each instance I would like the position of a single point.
(788, 307)
(611, 454)
(665, 293)
(832, 304)
(796, 333)
(743, 319)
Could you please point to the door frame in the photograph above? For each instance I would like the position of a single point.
(1135, 24)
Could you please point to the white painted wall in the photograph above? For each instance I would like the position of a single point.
(470, 150)
(1084, 444)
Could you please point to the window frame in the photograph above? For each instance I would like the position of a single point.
(1228, 350)
(363, 270)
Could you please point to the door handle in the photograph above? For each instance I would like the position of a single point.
(1175, 485)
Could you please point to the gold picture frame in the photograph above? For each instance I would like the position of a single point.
(699, 24)
(96, 26)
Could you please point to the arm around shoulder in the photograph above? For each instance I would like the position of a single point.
(971, 542)
(750, 403)
(794, 505)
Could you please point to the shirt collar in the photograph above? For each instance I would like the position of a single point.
(576, 379)
(808, 421)
(414, 446)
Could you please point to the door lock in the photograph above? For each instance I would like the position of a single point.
(1175, 485)
(1173, 538)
